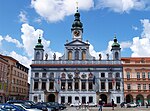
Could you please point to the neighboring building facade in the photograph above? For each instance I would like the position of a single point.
(3, 80)
(136, 79)
(17, 79)
(77, 75)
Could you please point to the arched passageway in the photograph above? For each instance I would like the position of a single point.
(103, 97)
(129, 98)
(140, 99)
(51, 98)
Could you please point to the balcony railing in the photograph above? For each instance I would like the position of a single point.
(76, 62)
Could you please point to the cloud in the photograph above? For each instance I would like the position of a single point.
(23, 17)
(141, 45)
(30, 37)
(10, 39)
(1, 38)
(103, 53)
(124, 5)
(134, 28)
(55, 10)
(126, 44)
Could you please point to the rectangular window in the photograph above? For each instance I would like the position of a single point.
(103, 85)
(110, 85)
(118, 99)
(63, 85)
(35, 85)
(128, 75)
(43, 85)
(90, 85)
(37, 75)
(138, 75)
(109, 75)
(51, 85)
(90, 99)
(102, 74)
(117, 85)
(76, 85)
(62, 99)
(69, 99)
(143, 75)
(139, 86)
(69, 85)
(117, 75)
(148, 75)
(144, 86)
(44, 75)
(83, 85)
(128, 86)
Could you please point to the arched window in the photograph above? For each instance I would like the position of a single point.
(83, 55)
(76, 55)
(37, 56)
(116, 56)
(70, 55)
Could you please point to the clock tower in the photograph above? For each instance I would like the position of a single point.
(77, 29)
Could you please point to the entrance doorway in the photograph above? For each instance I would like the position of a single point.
(51, 98)
(103, 97)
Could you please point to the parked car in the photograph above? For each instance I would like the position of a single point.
(123, 104)
(45, 104)
(52, 104)
(28, 103)
(109, 105)
(10, 107)
(132, 104)
(61, 106)
(92, 104)
(75, 104)
(26, 108)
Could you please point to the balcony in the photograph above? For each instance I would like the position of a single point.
(69, 62)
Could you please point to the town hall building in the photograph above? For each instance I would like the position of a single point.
(77, 75)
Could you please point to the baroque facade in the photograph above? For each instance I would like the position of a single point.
(77, 75)
(136, 79)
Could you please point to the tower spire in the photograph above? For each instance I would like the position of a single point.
(77, 6)
(77, 23)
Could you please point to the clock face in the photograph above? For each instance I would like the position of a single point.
(76, 33)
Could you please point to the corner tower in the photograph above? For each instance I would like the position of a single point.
(38, 50)
(116, 50)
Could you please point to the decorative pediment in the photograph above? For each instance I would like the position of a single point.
(77, 43)
(63, 75)
(90, 75)
(83, 76)
(70, 76)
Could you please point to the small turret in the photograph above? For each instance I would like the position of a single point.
(116, 49)
(38, 50)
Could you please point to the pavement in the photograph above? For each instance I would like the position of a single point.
(108, 109)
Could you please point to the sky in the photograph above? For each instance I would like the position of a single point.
(22, 21)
